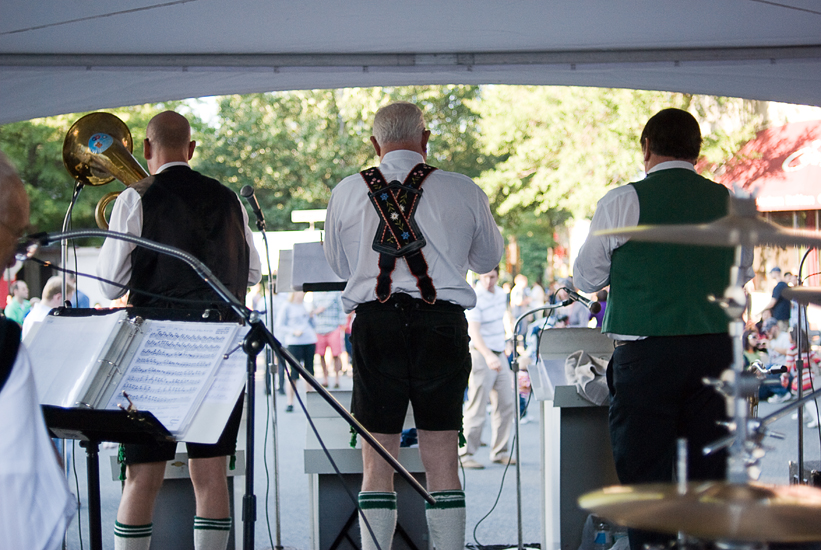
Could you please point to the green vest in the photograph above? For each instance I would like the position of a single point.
(659, 289)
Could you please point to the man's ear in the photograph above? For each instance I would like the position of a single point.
(146, 149)
(376, 147)
(645, 149)
(191, 147)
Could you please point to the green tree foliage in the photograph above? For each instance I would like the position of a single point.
(294, 147)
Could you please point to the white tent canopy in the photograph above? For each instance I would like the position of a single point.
(59, 56)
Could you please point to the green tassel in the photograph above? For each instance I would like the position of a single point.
(121, 461)
(462, 440)
(353, 438)
(232, 464)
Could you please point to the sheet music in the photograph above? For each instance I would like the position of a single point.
(213, 413)
(174, 363)
(231, 374)
(64, 352)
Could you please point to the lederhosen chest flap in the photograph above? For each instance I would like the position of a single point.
(398, 235)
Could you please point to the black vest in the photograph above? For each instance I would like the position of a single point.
(184, 209)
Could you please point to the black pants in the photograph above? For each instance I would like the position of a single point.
(657, 396)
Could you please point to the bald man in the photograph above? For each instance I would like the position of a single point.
(36, 505)
(179, 207)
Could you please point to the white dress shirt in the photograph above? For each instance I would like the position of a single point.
(114, 262)
(36, 505)
(453, 215)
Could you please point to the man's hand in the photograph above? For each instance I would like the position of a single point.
(492, 361)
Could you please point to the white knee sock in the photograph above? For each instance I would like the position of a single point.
(446, 520)
(132, 537)
(211, 534)
(380, 511)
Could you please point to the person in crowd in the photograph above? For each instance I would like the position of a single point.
(36, 505)
(777, 344)
(601, 298)
(538, 297)
(577, 313)
(80, 299)
(52, 298)
(329, 322)
(779, 306)
(754, 349)
(409, 289)
(666, 342)
(520, 301)
(19, 304)
(810, 363)
(296, 328)
(180, 207)
(490, 377)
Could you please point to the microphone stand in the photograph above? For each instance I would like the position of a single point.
(514, 364)
(269, 355)
(252, 346)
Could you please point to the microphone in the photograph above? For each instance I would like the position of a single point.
(594, 307)
(248, 193)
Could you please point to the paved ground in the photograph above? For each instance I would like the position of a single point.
(482, 486)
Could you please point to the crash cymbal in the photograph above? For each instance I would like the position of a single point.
(803, 294)
(714, 510)
(742, 226)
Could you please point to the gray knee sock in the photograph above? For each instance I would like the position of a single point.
(380, 511)
(211, 534)
(132, 537)
(446, 520)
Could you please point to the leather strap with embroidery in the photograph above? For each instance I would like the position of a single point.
(398, 235)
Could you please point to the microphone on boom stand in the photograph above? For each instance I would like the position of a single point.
(248, 193)
(594, 307)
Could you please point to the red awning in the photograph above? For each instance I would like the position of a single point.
(782, 166)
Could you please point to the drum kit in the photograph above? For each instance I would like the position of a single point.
(738, 512)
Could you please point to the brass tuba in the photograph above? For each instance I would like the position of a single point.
(97, 149)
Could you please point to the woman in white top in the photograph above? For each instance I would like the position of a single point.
(295, 325)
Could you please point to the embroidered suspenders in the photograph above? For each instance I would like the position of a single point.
(398, 235)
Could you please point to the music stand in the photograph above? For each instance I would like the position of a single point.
(92, 426)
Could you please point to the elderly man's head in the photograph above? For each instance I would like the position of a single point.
(14, 210)
(399, 125)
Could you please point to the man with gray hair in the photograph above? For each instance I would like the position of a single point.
(405, 249)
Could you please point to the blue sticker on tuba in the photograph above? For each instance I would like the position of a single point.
(100, 142)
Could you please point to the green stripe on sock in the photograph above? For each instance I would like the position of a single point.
(212, 524)
(446, 499)
(132, 531)
(374, 500)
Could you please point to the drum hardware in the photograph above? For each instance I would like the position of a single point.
(739, 512)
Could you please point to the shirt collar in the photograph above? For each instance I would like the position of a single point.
(672, 164)
(402, 156)
(170, 164)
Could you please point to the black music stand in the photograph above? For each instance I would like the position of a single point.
(92, 426)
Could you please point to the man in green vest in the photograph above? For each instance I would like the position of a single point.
(668, 336)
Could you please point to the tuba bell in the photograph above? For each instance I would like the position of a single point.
(96, 150)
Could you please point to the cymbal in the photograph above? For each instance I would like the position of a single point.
(741, 227)
(803, 294)
(714, 510)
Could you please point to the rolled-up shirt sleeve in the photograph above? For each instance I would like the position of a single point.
(618, 208)
(488, 244)
(114, 262)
